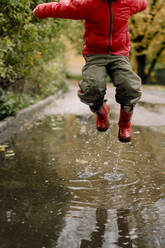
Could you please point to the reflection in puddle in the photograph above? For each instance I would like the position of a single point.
(64, 185)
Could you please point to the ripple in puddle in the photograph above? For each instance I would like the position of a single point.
(87, 174)
(115, 177)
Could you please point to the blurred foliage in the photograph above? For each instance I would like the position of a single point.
(6, 105)
(75, 34)
(148, 39)
(34, 90)
(27, 46)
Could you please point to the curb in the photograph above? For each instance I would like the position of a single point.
(24, 118)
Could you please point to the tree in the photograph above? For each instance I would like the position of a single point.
(148, 38)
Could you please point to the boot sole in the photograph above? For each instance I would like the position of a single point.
(124, 140)
(102, 129)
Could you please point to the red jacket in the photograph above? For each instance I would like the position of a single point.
(106, 22)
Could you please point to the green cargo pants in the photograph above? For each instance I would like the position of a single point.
(118, 68)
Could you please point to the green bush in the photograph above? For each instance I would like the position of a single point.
(7, 106)
(28, 46)
(26, 43)
(74, 33)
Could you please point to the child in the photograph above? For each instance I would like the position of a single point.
(106, 51)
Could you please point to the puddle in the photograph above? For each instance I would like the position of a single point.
(152, 106)
(64, 185)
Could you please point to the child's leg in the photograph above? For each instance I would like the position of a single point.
(93, 89)
(93, 83)
(128, 92)
(127, 82)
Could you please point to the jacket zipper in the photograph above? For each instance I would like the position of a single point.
(110, 3)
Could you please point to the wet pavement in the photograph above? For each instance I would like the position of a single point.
(65, 185)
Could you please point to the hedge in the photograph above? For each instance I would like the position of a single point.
(27, 45)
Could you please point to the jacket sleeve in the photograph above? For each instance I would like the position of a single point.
(137, 6)
(68, 9)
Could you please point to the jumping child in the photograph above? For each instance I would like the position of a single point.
(106, 52)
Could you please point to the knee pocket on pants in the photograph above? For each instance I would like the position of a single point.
(91, 92)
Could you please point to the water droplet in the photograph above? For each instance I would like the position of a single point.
(105, 163)
(136, 132)
(113, 177)
(81, 161)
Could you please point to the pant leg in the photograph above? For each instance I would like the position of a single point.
(93, 84)
(127, 82)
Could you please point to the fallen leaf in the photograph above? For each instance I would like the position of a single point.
(2, 148)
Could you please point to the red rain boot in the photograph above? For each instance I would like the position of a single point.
(79, 89)
(125, 129)
(102, 120)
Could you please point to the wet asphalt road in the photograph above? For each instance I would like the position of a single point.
(65, 185)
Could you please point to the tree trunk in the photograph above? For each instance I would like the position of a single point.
(141, 63)
(154, 61)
